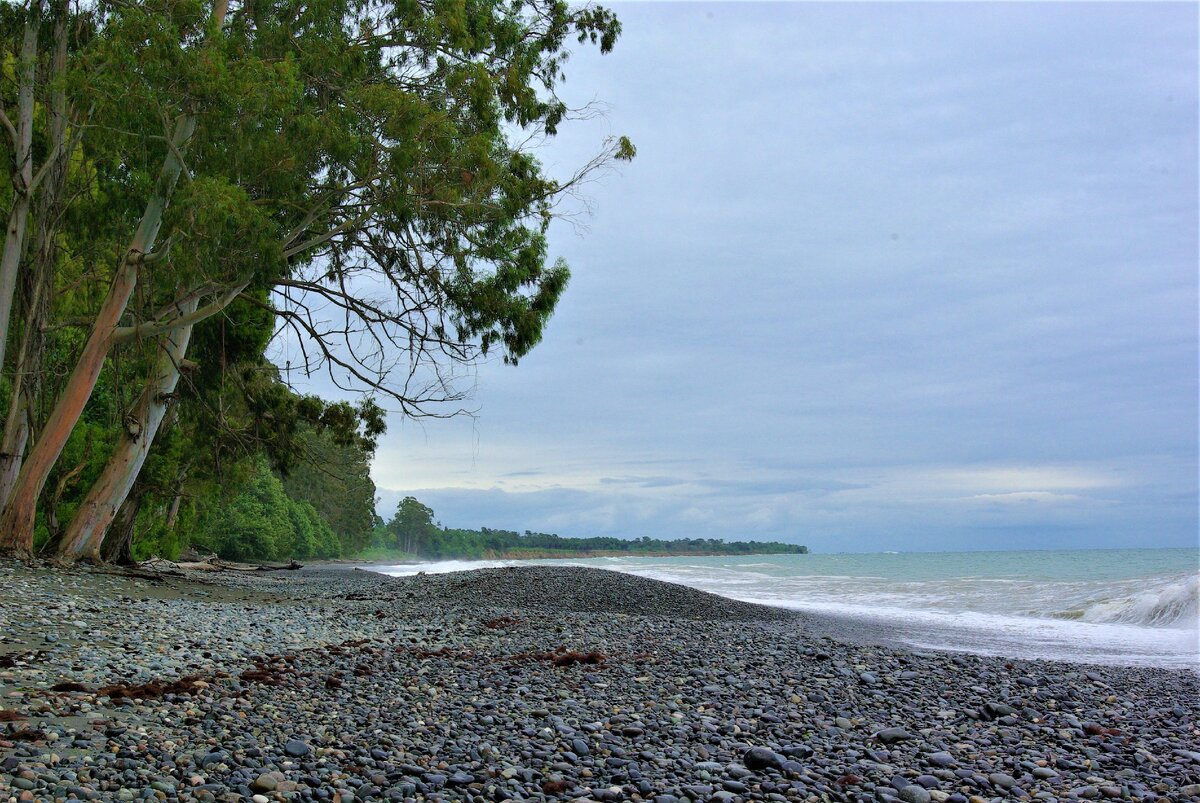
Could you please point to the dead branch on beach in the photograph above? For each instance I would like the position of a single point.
(212, 563)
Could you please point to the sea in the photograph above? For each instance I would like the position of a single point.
(1136, 607)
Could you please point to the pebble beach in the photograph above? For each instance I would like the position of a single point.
(541, 683)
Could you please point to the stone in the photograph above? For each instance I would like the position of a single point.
(215, 757)
(296, 748)
(264, 783)
(997, 710)
(893, 735)
(940, 759)
(460, 778)
(760, 758)
(1002, 780)
(914, 793)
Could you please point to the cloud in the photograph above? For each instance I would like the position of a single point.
(996, 480)
(881, 277)
(1028, 497)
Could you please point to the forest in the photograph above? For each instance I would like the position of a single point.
(413, 532)
(210, 206)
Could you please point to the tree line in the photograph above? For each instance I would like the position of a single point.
(412, 530)
(207, 201)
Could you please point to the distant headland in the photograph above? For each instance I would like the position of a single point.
(412, 533)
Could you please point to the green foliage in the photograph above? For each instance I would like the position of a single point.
(380, 554)
(335, 480)
(312, 535)
(260, 522)
(412, 526)
(412, 530)
(255, 523)
(364, 166)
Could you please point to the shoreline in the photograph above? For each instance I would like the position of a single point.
(1019, 629)
(542, 682)
(549, 554)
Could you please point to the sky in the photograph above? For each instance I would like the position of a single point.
(881, 277)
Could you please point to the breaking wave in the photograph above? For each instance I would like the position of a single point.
(1175, 604)
(1129, 607)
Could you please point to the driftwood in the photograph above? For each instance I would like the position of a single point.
(212, 564)
(154, 574)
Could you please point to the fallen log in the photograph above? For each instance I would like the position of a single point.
(257, 567)
(213, 564)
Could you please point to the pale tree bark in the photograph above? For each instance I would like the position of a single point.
(27, 372)
(173, 511)
(19, 422)
(118, 545)
(16, 524)
(17, 520)
(22, 172)
(85, 534)
(16, 437)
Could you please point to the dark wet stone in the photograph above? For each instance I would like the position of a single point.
(760, 758)
(296, 748)
(914, 793)
(893, 735)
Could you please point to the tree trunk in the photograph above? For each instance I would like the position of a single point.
(86, 532)
(177, 502)
(16, 524)
(16, 436)
(39, 281)
(118, 546)
(22, 176)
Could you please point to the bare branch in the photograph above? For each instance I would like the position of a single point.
(152, 328)
(8, 126)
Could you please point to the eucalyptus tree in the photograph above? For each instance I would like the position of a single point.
(20, 139)
(39, 136)
(360, 170)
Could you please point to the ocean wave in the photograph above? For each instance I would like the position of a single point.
(1019, 636)
(1175, 604)
(438, 567)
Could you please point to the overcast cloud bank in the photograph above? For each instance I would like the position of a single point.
(881, 277)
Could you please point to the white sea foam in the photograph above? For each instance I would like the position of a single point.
(438, 567)
(1019, 636)
(1171, 604)
(1138, 607)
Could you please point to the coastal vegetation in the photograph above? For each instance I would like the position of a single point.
(413, 532)
(207, 201)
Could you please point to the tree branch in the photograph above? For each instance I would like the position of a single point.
(8, 126)
(124, 334)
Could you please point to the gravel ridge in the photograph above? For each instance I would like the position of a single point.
(581, 589)
(539, 683)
